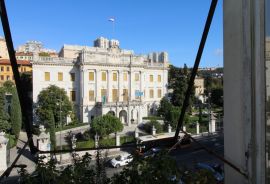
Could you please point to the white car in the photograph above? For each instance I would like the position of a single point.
(121, 160)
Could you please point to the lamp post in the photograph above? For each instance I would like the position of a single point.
(61, 125)
(96, 140)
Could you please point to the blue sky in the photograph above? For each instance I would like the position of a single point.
(144, 26)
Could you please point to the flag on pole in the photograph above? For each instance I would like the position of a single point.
(111, 19)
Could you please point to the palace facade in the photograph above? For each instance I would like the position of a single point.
(105, 79)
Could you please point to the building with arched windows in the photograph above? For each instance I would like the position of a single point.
(105, 79)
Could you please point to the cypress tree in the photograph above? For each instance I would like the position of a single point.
(15, 113)
(4, 124)
(51, 125)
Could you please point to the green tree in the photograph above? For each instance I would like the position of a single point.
(26, 78)
(217, 96)
(15, 108)
(51, 99)
(164, 107)
(4, 117)
(178, 81)
(159, 169)
(106, 124)
(149, 125)
(15, 113)
(172, 116)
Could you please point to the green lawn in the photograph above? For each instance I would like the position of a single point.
(66, 127)
(153, 118)
(104, 142)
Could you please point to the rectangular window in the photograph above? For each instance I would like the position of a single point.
(8, 77)
(60, 76)
(2, 69)
(103, 76)
(72, 77)
(2, 77)
(47, 76)
(114, 95)
(159, 93)
(114, 76)
(159, 78)
(91, 95)
(7, 68)
(125, 76)
(151, 78)
(73, 96)
(125, 95)
(151, 93)
(91, 76)
(137, 76)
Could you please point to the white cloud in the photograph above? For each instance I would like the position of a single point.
(219, 52)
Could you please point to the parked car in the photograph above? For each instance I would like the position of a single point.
(216, 170)
(121, 160)
(152, 152)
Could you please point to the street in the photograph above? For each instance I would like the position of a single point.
(188, 157)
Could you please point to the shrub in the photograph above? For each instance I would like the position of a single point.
(148, 126)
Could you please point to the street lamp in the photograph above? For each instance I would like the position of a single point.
(96, 140)
(61, 125)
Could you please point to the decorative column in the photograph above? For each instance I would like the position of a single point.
(96, 140)
(184, 128)
(197, 127)
(213, 122)
(154, 130)
(117, 139)
(98, 87)
(73, 142)
(3, 151)
(109, 83)
(169, 128)
(136, 133)
(43, 142)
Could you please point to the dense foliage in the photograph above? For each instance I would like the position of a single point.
(178, 82)
(10, 110)
(50, 100)
(106, 124)
(4, 117)
(149, 126)
(159, 169)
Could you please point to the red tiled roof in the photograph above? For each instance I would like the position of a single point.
(19, 62)
(24, 54)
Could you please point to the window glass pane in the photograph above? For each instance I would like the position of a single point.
(151, 78)
(159, 78)
(104, 76)
(114, 95)
(159, 93)
(91, 95)
(91, 76)
(125, 95)
(60, 76)
(114, 76)
(47, 76)
(151, 93)
(72, 76)
(137, 77)
(73, 96)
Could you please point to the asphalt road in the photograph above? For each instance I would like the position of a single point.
(188, 157)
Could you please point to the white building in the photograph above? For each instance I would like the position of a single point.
(104, 79)
(199, 88)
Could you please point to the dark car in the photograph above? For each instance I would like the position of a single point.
(151, 153)
(215, 170)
